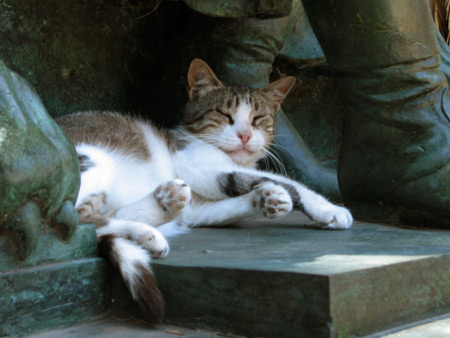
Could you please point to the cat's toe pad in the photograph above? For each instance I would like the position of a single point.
(155, 243)
(336, 218)
(273, 200)
(173, 196)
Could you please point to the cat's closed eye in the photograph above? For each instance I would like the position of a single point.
(256, 119)
(228, 116)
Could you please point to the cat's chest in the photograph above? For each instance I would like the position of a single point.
(198, 155)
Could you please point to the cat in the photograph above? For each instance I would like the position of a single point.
(141, 184)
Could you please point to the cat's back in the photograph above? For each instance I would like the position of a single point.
(109, 130)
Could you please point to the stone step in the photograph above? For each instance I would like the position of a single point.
(289, 280)
(53, 295)
(61, 283)
(108, 327)
(111, 328)
(258, 278)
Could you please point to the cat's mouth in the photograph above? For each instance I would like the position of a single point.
(241, 151)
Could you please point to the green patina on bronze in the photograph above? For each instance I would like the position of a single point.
(241, 8)
(49, 249)
(49, 296)
(39, 177)
(395, 154)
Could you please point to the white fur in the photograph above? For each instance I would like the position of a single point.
(100, 177)
(124, 179)
(162, 205)
(140, 233)
(173, 228)
(131, 187)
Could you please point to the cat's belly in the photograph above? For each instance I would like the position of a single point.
(135, 181)
(124, 179)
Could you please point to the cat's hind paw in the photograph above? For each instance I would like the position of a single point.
(173, 196)
(273, 200)
(152, 240)
(336, 217)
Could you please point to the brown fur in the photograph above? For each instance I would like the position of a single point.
(111, 130)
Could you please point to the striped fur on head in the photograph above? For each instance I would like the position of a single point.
(213, 106)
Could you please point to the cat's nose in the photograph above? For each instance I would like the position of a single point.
(245, 137)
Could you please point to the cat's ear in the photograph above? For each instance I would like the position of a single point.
(277, 91)
(201, 79)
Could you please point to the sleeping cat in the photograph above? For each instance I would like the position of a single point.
(140, 184)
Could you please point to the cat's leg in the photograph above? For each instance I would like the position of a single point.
(143, 234)
(266, 199)
(240, 181)
(315, 206)
(164, 204)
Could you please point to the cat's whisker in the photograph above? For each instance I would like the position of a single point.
(279, 166)
(211, 139)
(278, 153)
(279, 149)
(266, 162)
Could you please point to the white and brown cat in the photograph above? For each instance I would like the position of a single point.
(140, 184)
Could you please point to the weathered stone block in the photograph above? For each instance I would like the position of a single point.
(287, 280)
(54, 295)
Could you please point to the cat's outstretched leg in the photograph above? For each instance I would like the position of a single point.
(315, 206)
(266, 199)
(164, 204)
(240, 181)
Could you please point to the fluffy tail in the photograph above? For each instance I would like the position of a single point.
(133, 263)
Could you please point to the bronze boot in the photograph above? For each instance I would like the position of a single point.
(394, 164)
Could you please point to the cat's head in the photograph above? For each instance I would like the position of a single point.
(239, 121)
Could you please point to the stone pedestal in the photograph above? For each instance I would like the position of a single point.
(58, 285)
(285, 279)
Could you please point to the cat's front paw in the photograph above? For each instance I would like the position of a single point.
(173, 196)
(334, 217)
(273, 200)
(152, 240)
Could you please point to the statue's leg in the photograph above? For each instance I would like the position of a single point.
(395, 156)
(243, 51)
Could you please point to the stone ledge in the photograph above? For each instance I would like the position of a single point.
(55, 295)
(290, 280)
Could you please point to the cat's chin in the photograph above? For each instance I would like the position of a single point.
(242, 152)
(242, 156)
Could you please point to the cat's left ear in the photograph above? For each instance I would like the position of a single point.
(201, 79)
(277, 91)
